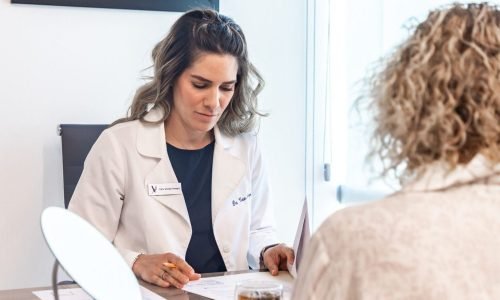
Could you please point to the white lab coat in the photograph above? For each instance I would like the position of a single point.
(112, 194)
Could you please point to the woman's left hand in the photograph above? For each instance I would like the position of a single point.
(278, 258)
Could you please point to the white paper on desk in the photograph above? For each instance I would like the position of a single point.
(301, 239)
(222, 287)
(64, 294)
(80, 294)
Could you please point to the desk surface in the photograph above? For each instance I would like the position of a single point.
(170, 293)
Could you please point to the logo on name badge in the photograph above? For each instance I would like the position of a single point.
(164, 189)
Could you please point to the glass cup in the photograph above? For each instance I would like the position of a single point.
(258, 290)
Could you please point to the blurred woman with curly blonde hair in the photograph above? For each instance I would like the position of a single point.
(436, 105)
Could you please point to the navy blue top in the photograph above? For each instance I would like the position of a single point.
(193, 169)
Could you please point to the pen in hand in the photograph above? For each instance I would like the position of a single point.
(189, 272)
(169, 265)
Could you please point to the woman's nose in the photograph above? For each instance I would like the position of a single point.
(212, 99)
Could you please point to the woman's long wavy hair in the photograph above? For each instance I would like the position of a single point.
(438, 96)
(196, 32)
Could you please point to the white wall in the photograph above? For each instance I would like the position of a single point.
(276, 34)
(82, 65)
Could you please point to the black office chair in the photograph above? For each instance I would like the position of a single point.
(77, 139)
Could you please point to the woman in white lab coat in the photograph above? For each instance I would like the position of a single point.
(179, 185)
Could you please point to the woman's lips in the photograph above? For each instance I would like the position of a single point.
(206, 116)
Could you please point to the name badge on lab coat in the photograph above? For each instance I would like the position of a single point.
(164, 189)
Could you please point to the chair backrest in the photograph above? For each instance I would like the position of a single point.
(77, 140)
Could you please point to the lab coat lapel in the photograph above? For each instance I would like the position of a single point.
(227, 172)
(151, 142)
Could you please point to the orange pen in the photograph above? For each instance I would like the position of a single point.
(169, 265)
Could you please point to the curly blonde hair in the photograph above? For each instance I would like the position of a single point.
(438, 96)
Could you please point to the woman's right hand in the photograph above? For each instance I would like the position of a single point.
(152, 268)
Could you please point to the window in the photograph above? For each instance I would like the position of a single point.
(346, 40)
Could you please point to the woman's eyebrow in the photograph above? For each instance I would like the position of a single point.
(201, 78)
